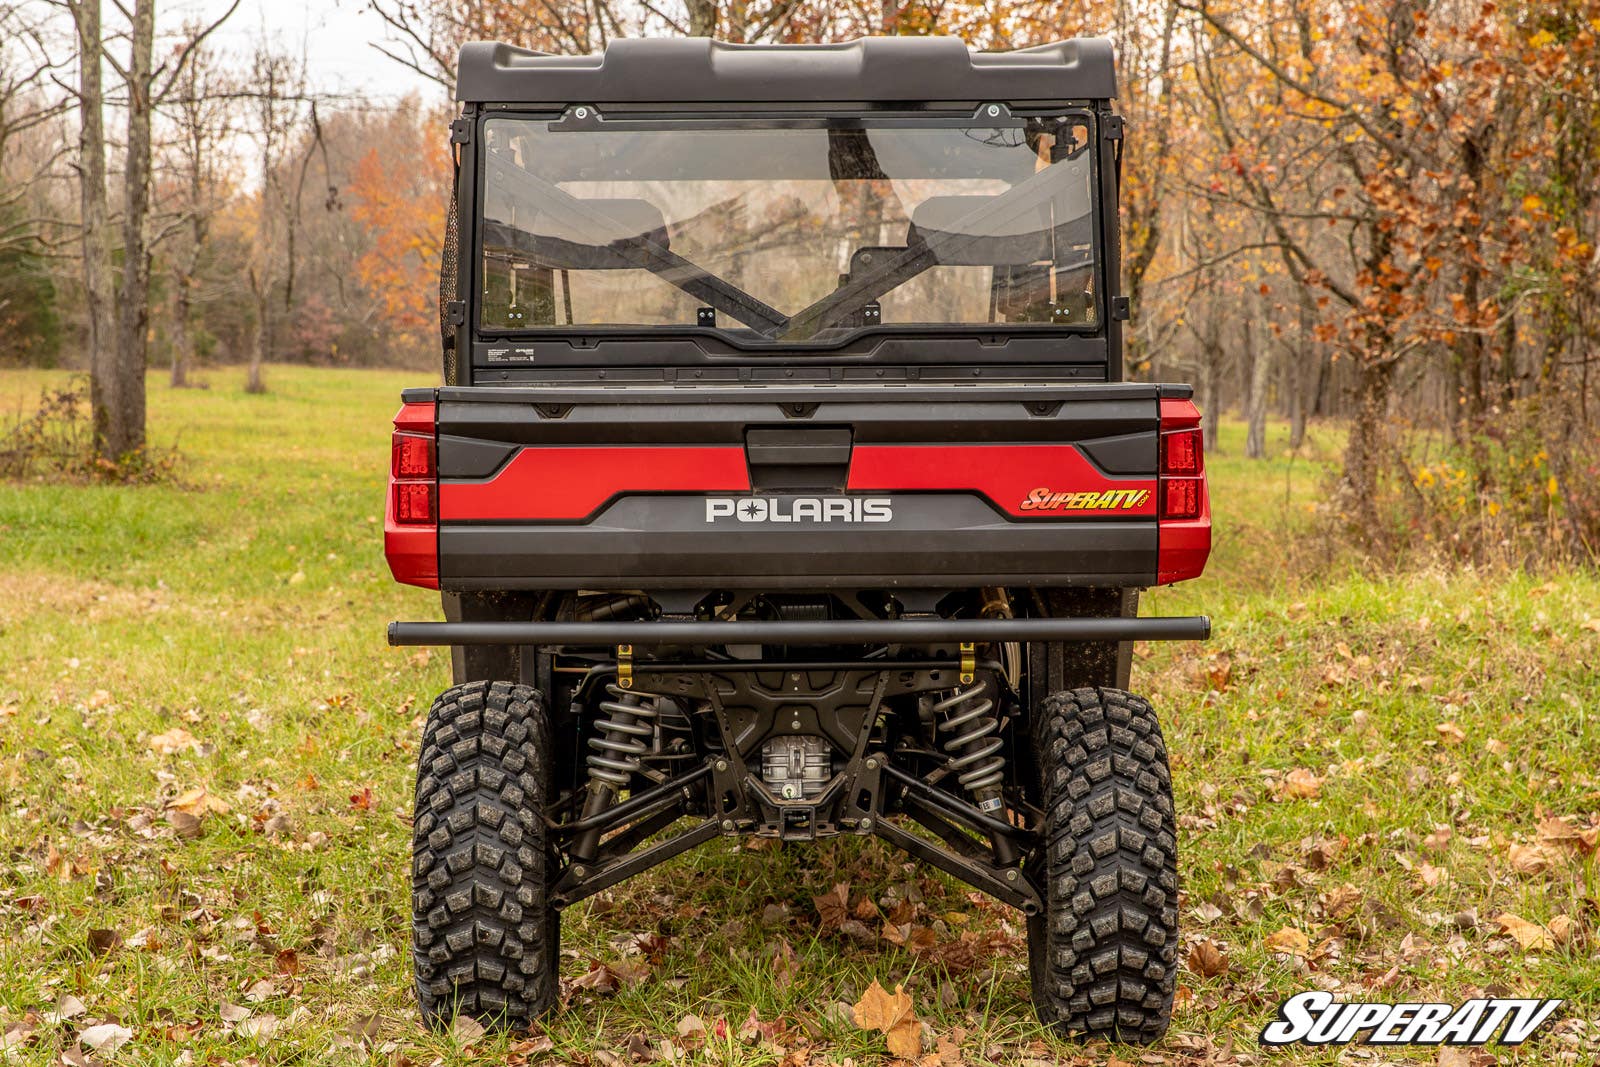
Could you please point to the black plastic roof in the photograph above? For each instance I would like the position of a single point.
(693, 70)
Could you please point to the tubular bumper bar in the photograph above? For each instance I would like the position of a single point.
(648, 633)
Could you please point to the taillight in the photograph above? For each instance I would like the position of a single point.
(1182, 452)
(1184, 513)
(1180, 498)
(413, 502)
(413, 455)
(411, 531)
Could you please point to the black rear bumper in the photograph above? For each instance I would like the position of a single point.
(919, 631)
(660, 543)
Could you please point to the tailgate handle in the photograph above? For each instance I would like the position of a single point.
(787, 457)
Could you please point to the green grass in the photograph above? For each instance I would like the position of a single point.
(246, 608)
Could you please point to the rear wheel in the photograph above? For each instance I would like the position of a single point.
(1103, 953)
(485, 940)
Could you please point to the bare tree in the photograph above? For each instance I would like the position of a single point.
(278, 93)
(25, 108)
(202, 107)
(117, 430)
(119, 308)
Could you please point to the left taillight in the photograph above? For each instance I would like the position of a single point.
(411, 530)
(1183, 510)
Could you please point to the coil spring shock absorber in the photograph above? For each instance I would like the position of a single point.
(627, 721)
(974, 750)
(974, 744)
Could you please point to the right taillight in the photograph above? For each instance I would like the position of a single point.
(1183, 512)
(411, 526)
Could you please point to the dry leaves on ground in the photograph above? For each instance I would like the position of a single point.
(1300, 784)
(1207, 959)
(174, 740)
(1530, 935)
(892, 1014)
(1291, 941)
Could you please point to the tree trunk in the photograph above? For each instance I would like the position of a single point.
(258, 337)
(702, 17)
(1300, 371)
(111, 436)
(1364, 451)
(1258, 349)
(133, 296)
(182, 331)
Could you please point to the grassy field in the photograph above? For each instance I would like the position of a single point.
(1387, 786)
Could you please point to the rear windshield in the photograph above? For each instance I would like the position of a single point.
(807, 232)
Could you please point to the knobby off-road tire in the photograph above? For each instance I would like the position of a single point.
(485, 940)
(1103, 954)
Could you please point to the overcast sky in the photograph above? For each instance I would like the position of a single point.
(335, 35)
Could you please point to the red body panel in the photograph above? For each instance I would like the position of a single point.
(1011, 476)
(556, 484)
(570, 484)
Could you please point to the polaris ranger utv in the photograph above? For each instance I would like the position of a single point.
(783, 484)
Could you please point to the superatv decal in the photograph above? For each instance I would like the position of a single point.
(1108, 500)
(843, 509)
(1315, 1018)
(1010, 476)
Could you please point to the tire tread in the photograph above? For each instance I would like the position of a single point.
(1104, 953)
(484, 937)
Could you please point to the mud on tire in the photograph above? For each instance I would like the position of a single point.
(1103, 954)
(485, 940)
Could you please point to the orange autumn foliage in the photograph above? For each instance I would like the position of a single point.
(401, 193)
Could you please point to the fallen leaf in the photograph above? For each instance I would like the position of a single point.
(259, 1028)
(107, 1037)
(173, 740)
(528, 1048)
(1527, 859)
(102, 941)
(67, 1007)
(1340, 902)
(261, 990)
(1563, 833)
(1562, 928)
(910, 937)
(367, 1028)
(1301, 784)
(834, 906)
(197, 802)
(1207, 959)
(233, 1013)
(892, 1015)
(1530, 935)
(465, 1030)
(185, 824)
(1450, 733)
(1290, 940)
